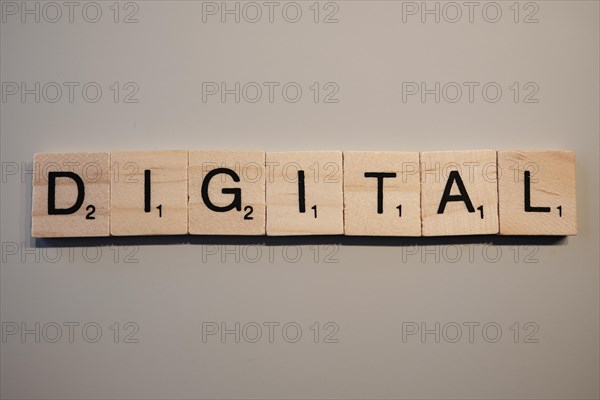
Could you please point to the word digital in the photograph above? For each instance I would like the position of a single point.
(442, 193)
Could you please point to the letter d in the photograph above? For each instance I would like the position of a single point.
(52, 210)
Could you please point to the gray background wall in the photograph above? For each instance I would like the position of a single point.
(364, 294)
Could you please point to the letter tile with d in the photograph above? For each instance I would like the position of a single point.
(71, 193)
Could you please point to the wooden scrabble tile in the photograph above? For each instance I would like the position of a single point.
(226, 192)
(71, 193)
(149, 193)
(304, 193)
(537, 193)
(459, 194)
(382, 193)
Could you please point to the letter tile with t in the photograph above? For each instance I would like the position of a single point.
(382, 194)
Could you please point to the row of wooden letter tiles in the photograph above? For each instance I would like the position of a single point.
(441, 193)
